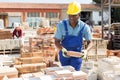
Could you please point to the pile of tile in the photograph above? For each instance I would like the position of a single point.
(5, 34)
(6, 60)
(91, 70)
(54, 73)
(28, 63)
(66, 73)
(111, 64)
(9, 72)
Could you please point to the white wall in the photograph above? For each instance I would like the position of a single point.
(96, 18)
(13, 19)
(106, 16)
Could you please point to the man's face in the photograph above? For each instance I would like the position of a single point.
(73, 18)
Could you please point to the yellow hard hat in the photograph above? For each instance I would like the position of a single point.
(74, 8)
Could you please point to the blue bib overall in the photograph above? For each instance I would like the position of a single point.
(71, 43)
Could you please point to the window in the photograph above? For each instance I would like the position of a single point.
(33, 14)
(99, 13)
(51, 15)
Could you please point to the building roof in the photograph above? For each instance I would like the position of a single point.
(7, 5)
(114, 3)
(29, 5)
(85, 6)
(91, 7)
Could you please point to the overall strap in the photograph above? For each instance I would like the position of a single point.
(81, 31)
(65, 25)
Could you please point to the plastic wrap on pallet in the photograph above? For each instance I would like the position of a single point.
(8, 45)
(109, 75)
(79, 75)
(63, 73)
(109, 64)
(90, 69)
(46, 77)
(51, 70)
(6, 60)
(9, 72)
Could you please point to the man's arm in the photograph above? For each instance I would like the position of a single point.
(13, 33)
(57, 44)
(89, 45)
(60, 47)
(20, 34)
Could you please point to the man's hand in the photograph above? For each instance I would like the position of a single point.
(64, 52)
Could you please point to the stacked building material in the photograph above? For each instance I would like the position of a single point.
(45, 45)
(63, 73)
(98, 51)
(6, 60)
(10, 72)
(51, 70)
(96, 32)
(109, 75)
(116, 36)
(90, 68)
(113, 53)
(28, 63)
(56, 73)
(41, 42)
(10, 46)
(45, 30)
(29, 60)
(5, 34)
(109, 64)
(78, 75)
(66, 73)
(29, 68)
(47, 58)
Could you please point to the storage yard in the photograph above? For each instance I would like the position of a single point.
(39, 59)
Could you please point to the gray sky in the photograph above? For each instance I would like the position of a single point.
(49, 1)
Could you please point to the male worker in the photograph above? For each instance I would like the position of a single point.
(69, 36)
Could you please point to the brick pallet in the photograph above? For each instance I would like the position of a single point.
(30, 68)
(27, 61)
(9, 72)
(116, 36)
(5, 34)
(10, 46)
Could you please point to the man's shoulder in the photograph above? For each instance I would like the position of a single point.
(64, 20)
(81, 22)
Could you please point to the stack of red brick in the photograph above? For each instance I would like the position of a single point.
(5, 34)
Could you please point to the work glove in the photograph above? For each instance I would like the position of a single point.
(64, 52)
(84, 54)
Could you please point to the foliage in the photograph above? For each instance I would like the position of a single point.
(97, 1)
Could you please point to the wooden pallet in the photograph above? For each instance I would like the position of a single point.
(10, 51)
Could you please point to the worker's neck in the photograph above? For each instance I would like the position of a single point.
(73, 25)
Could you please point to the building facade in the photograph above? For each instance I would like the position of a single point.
(22, 12)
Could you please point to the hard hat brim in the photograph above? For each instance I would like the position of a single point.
(73, 13)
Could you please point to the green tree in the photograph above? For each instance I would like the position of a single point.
(97, 1)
